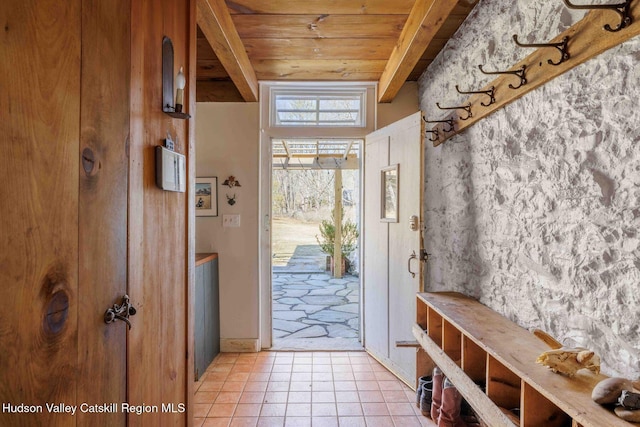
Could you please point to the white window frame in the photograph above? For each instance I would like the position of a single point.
(267, 133)
(360, 93)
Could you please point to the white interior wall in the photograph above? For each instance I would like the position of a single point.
(535, 210)
(404, 104)
(227, 144)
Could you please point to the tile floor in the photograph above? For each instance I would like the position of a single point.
(303, 389)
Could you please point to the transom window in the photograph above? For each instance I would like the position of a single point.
(330, 108)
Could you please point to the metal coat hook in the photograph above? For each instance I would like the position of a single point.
(435, 133)
(466, 108)
(490, 93)
(622, 9)
(450, 122)
(561, 46)
(519, 72)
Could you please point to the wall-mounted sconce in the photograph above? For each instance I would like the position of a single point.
(168, 106)
(231, 182)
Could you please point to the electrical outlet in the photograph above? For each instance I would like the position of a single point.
(231, 220)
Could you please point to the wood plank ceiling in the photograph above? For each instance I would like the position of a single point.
(243, 41)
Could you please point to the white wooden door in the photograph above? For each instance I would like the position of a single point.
(391, 275)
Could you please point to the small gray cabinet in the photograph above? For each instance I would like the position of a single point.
(207, 312)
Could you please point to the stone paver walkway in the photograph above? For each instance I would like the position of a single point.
(314, 311)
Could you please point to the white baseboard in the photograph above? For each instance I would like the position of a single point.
(239, 345)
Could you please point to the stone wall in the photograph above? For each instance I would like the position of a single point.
(535, 210)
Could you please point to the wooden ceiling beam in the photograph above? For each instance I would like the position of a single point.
(424, 22)
(216, 24)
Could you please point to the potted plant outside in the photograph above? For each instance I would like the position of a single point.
(326, 240)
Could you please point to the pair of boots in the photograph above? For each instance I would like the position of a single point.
(446, 402)
(423, 394)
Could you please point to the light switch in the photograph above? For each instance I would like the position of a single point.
(231, 220)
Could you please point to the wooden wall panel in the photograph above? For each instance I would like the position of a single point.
(39, 134)
(104, 133)
(159, 273)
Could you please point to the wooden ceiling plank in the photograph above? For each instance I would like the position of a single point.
(424, 22)
(210, 69)
(258, 48)
(433, 50)
(217, 91)
(343, 7)
(319, 26)
(419, 69)
(321, 70)
(216, 24)
(204, 50)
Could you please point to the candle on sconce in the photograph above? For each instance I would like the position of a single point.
(180, 84)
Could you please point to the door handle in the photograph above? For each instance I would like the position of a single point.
(413, 256)
(120, 312)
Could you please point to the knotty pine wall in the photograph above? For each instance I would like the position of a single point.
(535, 210)
(39, 201)
(82, 220)
(161, 232)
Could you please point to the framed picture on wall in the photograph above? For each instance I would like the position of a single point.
(207, 196)
(389, 194)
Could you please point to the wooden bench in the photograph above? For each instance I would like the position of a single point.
(473, 344)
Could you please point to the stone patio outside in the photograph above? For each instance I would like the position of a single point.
(314, 311)
(311, 309)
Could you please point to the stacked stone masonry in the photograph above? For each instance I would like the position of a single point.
(535, 210)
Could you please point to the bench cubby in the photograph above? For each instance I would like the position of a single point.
(492, 362)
